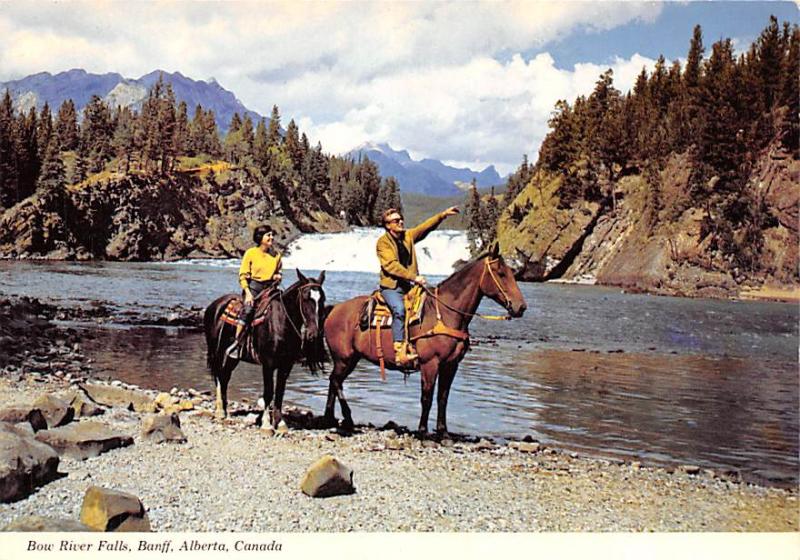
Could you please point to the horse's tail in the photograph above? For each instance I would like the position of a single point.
(213, 333)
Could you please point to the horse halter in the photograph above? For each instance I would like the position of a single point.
(489, 262)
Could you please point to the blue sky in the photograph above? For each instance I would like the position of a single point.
(670, 33)
(469, 83)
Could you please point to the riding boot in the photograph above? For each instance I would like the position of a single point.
(402, 357)
(235, 350)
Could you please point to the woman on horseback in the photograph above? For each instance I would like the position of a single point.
(260, 269)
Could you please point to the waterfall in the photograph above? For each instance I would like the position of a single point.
(355, 251)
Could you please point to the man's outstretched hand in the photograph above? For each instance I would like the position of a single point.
(452, 211)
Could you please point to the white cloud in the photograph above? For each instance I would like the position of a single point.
(438, 78)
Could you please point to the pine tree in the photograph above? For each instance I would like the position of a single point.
(274, 131)
(181, 138)
(124, 141)
(293, 146)
(52, 176)
(260, 145)
(45, 129)
(96, 134)
(473, 213)
(27, 154)
(8, 167)
(66, 128)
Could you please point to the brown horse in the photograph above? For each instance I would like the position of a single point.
(441, 338)
(291, 332)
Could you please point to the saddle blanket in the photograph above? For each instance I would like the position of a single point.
(377, 315)
(233, 310)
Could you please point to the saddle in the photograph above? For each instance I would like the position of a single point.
(377, 315)
(230, 315)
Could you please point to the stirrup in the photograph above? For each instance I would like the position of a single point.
(234, 350)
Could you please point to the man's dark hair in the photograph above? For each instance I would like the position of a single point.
(260, 232)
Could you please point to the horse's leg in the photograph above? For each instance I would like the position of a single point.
(429, 370)
(341, 369)
(447, 372)
(222, 378)
(284, 370)
(267, 370)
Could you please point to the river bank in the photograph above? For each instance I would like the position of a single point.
(232, 476)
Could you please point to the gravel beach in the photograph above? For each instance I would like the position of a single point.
(232, 476)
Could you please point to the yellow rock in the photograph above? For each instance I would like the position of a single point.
(110, 510)
(327, 477)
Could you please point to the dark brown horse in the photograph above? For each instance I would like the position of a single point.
(290, 332)
(441, 339)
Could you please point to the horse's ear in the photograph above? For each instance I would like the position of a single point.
(321, 278)
(494, 250)
(300, 276)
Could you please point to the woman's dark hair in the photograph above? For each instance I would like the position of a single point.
(260, 232)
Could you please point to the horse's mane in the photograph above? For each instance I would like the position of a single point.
(461, 270)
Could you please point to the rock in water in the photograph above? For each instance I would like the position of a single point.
(328, 477)
(56, 411)
(111, 510)
(84, 439)
(162, 427)
(39, 524)
(24, 463)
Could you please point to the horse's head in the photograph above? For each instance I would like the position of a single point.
(498, 283)
(311, 304)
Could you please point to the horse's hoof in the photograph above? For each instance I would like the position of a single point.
(268, 431)
(283, 429)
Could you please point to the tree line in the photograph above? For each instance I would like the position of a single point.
(39, 150)
(721, 112)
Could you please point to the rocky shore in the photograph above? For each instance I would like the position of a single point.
(234, 476)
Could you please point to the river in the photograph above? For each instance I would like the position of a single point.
(662, 380)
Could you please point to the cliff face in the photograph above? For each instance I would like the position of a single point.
(627, 245)
(133, 217)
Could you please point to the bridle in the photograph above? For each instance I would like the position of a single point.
(487, 267)
(303, 321)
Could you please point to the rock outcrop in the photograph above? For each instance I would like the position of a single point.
(198, 212)
(621, 242)
(39, 524)
(160, 428)
(109, 395)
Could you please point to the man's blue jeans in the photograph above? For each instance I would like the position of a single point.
(394, 299)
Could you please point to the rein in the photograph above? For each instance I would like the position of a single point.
(435, 295)
(440, 328)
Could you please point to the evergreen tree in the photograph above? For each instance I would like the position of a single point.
(473, 213)
(27, 156)
(96, 134)
(52, 176)
(124, 141)
(8, 167)
(66, 128)
(181, 139)
(260, 145)
(293, 146)
(274, 131)
(45, 129)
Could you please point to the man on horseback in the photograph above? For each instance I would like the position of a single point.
(399, 271)
(260, 269)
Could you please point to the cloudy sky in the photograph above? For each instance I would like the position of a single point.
(469, 83)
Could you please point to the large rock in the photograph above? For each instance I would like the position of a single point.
(108, 395)
(39, 524)
(18, 414)
(161, 428)
(111, 510)
(57, 411)
(84, 439)
(24, 463)
(327, 477)
(84, 405)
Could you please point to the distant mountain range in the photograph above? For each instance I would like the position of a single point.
(428, 176)
(115, 89)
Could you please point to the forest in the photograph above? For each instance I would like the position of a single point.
(42, 152)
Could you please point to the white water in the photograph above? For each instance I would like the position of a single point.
(354, 251)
